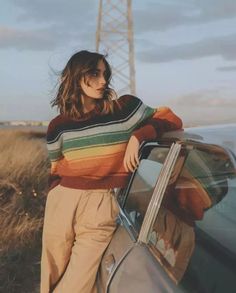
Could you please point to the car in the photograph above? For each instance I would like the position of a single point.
(177, 223)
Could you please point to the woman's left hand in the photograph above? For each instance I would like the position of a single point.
(131, 160)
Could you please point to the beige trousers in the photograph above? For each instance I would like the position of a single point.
(78, 226)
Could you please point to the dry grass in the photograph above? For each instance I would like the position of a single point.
(23, 185)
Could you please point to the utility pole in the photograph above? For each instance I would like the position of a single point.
(114, 37)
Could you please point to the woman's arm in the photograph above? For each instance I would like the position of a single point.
(163, 120)
(54, 146)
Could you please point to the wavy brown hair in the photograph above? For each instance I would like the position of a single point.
(68, 98)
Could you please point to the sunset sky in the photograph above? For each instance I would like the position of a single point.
(185, 54)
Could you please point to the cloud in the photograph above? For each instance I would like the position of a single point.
(164, 15)
(52, 24)
(27, 39)
(227, 68)
(158, 17)
(71, 13)
(219, 97)
(61, 21)
(154, 16)
(45, 39)
(223, 46)
(206, 106)
(212, 10)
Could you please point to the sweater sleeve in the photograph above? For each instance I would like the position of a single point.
(54, 146)
(163, 120)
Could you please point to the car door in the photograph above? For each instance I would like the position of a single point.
(193, 234)
(125, 259)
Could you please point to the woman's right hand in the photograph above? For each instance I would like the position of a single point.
(131, 160)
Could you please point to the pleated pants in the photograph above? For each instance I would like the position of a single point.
(78, 226)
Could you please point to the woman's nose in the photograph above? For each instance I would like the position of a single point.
(102, 80)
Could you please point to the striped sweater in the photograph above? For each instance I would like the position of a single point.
(88, 153)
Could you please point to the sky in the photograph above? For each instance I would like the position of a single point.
(185, 54)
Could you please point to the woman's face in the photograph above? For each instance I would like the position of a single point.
(94, 84)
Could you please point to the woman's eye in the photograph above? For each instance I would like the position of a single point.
(95, 73)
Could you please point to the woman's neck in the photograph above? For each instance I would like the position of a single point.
(88, 103)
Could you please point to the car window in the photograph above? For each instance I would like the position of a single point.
(194, 233)
(143, 184)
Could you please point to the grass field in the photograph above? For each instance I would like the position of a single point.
(24, 168)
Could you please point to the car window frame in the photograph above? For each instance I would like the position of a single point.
(160, 186)
(123, 217)
(159, 190)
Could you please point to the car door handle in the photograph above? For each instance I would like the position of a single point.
(109, 263)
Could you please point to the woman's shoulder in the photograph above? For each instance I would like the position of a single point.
(56, 126)
(128, 97)
(57, 121)
(128, 101)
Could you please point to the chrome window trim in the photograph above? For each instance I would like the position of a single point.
(124, 218)
(128, 225)
(143, 145)
(158, 192)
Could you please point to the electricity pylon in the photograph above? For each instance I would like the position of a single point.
(115, 37)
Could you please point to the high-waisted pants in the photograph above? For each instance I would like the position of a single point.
(78, 226)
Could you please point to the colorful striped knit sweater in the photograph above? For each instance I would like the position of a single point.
(88, 153)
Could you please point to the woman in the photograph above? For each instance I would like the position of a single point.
(93, 147)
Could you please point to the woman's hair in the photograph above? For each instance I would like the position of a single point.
(68, 98)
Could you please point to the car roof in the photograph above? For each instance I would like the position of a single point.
(223, 135)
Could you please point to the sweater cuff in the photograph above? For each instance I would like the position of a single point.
(144, 133)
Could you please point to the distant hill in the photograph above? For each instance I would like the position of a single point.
(23, 123)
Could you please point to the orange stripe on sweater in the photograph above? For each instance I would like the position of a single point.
(102, 166)
(95, 152)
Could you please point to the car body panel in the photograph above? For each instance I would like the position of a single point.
(145, 273)
(120, 245)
